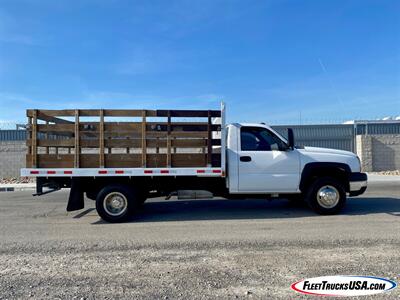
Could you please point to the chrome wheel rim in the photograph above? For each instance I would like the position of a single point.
(115, 204)
(328, 196)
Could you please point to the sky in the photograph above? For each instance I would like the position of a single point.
(279, 62)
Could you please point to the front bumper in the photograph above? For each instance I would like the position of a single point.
(357, 183)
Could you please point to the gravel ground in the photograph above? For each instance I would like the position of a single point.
(16, 180)
(394, 172)
(249, 249)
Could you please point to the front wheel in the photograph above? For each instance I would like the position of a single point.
(115, 203)
(326, 196)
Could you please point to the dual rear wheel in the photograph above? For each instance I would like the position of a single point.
(116, 203)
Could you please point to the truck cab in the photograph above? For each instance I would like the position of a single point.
(261, 161)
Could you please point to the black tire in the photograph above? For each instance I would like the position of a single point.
(320, 188)
(121, 194)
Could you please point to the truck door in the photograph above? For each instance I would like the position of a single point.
(265, 162)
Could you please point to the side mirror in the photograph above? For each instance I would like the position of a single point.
(290, 138)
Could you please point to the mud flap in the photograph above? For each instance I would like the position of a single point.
(76, 198)
(39, 185)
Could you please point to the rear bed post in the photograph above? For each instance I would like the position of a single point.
(223, 138)
(77, 147)
(209, 140)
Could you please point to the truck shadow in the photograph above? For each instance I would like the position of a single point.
(221, 209)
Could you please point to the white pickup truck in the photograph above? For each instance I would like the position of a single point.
(252, 160)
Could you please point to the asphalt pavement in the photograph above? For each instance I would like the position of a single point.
(200, 249)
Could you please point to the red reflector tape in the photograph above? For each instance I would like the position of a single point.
(102, 172)
(201, 171)
(34, 172)
(216, 171)
(119, 172)
(67, 172)
(51, 172)
(164, 171)
(148, 171)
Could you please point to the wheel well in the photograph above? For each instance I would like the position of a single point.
(313, 171)
(94, 186)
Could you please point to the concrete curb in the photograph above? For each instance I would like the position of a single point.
(377, 178)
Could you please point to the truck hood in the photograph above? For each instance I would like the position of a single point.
(317, 150)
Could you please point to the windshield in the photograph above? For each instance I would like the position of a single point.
(277, 134)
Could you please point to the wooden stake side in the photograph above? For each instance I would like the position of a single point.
(169, 163)
(29, 142)
(77, 148)
(144, 147)
(44, 117)
(209, 140)
(34, 139)
(47, 137)
(144, 140)
(101, 139)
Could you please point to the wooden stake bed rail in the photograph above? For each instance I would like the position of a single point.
(63, 139)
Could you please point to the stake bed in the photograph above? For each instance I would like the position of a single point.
(122, 157)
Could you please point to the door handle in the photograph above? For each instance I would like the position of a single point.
(245, 158)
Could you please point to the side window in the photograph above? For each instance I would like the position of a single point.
(249, 140)
(259, 139)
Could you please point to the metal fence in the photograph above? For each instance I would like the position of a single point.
(339, 136)
(378, 128)
(12, 135)
(326, 136)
